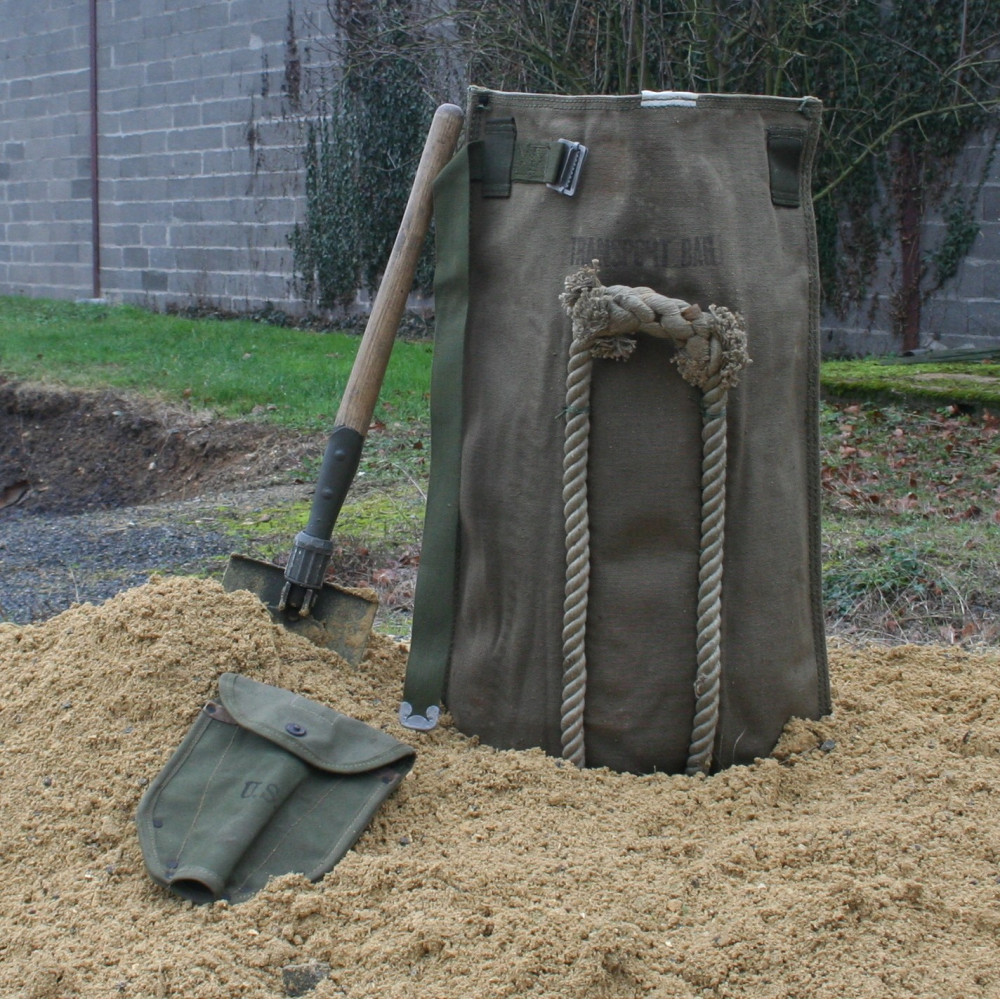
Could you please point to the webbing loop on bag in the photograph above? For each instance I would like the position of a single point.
(500, 159)
(711, 354)
(433, 619)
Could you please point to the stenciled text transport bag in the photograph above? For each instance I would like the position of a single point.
(621, 555)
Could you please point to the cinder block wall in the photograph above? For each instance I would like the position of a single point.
(965, 311)
(200, 108)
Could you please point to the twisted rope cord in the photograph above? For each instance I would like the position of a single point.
(575, 510)
(707, 683)
(711, 353)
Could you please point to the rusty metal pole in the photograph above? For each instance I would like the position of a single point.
(95, 198)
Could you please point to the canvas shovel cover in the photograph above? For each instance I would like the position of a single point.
(265, 782)
(701, 198)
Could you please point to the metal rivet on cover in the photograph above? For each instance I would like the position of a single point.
(157, 823)
(294, 729)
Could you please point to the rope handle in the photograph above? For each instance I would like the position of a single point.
(711, 354)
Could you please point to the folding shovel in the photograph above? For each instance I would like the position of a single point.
(297, 595)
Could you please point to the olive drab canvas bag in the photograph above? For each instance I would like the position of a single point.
(621, 556)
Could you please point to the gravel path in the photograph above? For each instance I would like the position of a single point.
(51, 561)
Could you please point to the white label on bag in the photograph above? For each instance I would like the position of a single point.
(669, 99)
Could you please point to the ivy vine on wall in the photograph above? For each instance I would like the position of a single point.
(360, 155)
(905, 86)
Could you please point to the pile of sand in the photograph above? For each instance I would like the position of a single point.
(863, 860)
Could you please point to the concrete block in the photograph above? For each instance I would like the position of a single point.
(135, 257)
(133, 207)
(991, 202)
(69, 211)
(154, 281)
(127, 27)
(984, 319)
(122, 145)
(153, 142)
(210, 15)
(68, 253)
(203, 186)
(205, 137)
(116, 234)
(132, 53)
(21, 272)
(111, 258)
(162, 258)
(841, 341)
(70, 72)
(991, 280)
(943, 317)
(987, 245)
(186, 115)
(188, 211)
(188, 66)
(158, 72)
(179, 165)
(153, 236)
(223, 161)
(226, 112)
(127, 283)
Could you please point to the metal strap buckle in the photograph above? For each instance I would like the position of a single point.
(574, 153)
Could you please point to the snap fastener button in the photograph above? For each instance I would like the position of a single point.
(294, 729)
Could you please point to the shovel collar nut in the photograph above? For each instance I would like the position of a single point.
(308, 561)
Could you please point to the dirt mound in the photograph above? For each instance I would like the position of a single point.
(70, 450)
(864, 859)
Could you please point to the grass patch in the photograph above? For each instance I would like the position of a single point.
(910, 476)
(910, 523)
(974, 384)
(916, 581)
(383, 518)
(238, 368)
(376, 542)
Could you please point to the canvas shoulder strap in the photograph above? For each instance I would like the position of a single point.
(432, 624)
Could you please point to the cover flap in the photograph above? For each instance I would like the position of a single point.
(317, 734)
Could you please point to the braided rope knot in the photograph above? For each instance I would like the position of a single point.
(711, 352)
(711, 345)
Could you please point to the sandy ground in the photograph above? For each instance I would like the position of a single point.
(862, 860)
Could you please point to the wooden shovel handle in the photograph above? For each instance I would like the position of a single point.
(358, 402)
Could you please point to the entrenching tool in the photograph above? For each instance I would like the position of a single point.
(297, 595)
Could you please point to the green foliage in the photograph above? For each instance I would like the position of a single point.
(880, 563)
(904, 86)
(360, 157)
(961, 230)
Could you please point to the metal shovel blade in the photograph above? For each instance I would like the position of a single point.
(340, 619)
